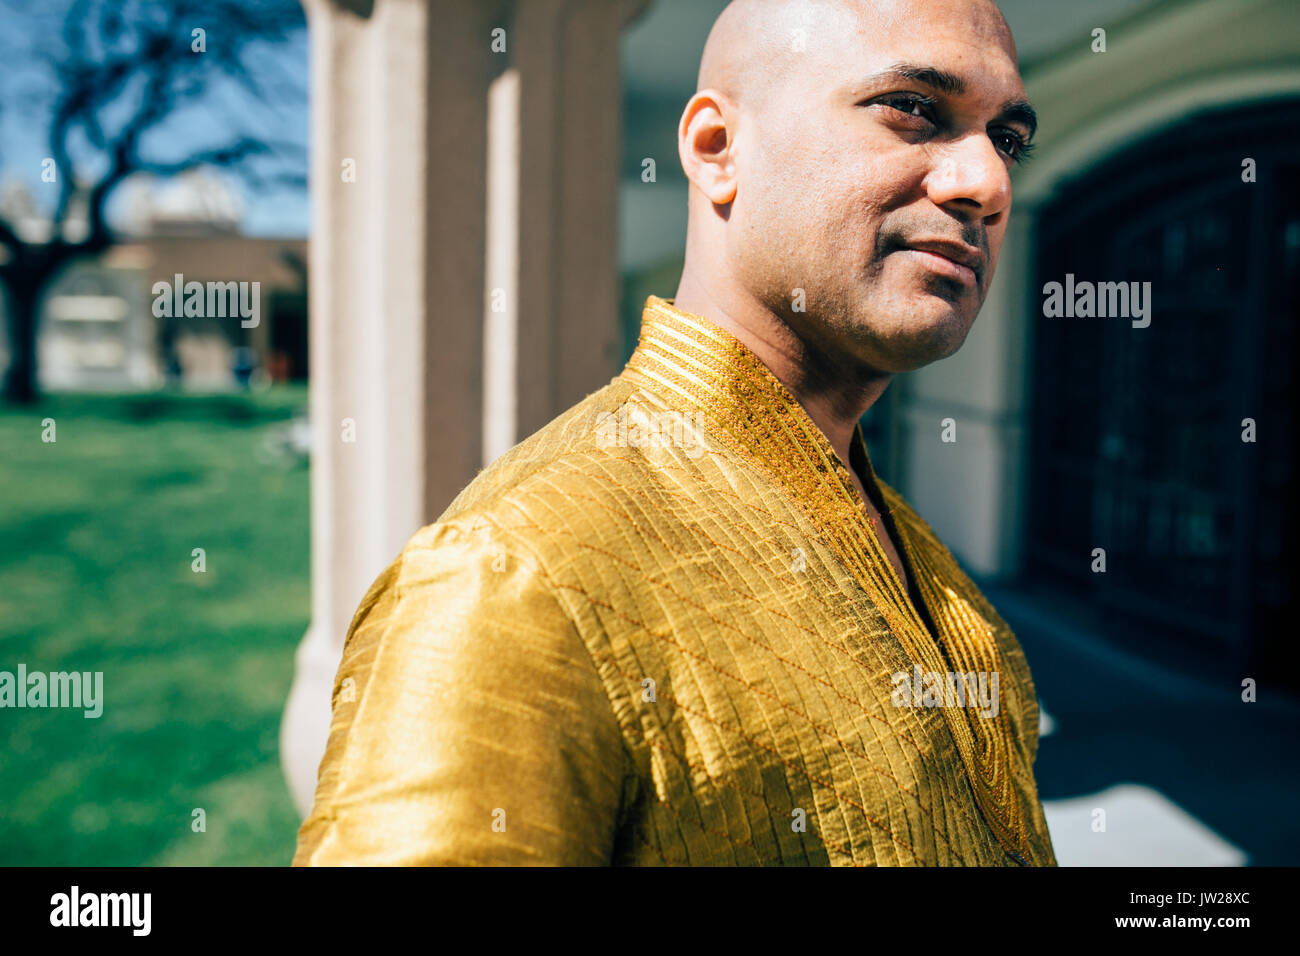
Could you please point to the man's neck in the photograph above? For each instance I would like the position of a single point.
(833, 390)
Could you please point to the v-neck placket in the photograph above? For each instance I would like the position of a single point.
(867, 474)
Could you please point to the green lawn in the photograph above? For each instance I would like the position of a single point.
(97, 530)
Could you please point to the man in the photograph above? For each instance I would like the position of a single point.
(684, 623)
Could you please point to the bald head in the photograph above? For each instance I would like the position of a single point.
(849, 163)
(754, 43)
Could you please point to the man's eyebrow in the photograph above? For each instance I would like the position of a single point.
(941, 80)
(1019, 111)
(1016, 111)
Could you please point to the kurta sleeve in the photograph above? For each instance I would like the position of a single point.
(469, 723)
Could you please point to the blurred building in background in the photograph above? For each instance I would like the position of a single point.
(98, 328)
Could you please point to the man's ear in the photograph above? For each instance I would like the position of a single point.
(707, 148)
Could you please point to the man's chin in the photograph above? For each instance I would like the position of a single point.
(926, 332)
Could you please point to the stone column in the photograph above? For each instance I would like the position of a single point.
(463, 179)
(568, 56)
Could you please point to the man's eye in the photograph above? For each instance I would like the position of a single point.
(918, 106)
(1011, 143)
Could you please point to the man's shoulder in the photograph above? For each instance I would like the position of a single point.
(573, 493)
(617, 447)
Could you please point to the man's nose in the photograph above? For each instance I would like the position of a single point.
(970, 177)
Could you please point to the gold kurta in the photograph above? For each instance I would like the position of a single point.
(662, 631)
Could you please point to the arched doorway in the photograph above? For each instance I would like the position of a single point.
(1136, 433)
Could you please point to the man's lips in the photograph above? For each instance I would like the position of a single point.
(954, 260)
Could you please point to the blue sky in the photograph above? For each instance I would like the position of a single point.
(221, 114)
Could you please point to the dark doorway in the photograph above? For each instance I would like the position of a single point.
(1136, 433)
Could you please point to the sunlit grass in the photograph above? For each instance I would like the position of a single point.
(97, 531)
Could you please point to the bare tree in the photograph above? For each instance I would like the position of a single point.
(121, 69)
